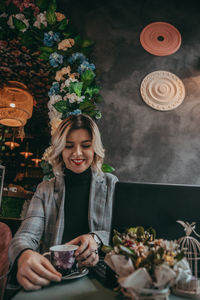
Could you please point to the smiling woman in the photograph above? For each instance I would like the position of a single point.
(78, 200)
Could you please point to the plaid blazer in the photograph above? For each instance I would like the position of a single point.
(44, 223)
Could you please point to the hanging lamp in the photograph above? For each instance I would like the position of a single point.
(36, 159)
(26, 153)
(11, 144)
(11, 141)
(16, 104)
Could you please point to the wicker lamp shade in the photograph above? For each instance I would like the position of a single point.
(16, 104)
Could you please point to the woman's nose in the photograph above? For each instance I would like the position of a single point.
(78, 150)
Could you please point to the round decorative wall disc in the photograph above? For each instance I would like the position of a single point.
(162, 90)
(160, 38)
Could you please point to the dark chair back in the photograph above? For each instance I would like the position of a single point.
(5, 238)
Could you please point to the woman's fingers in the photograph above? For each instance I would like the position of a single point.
(35, 270)
(91, 261)
(86, 254)
(26, 283)
(36, 279)
(49, 271)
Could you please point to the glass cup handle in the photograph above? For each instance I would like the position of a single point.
(47, 255)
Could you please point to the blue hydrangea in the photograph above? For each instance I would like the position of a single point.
(54, 90)
(55, 59)
(77, 56)
(50, 38)
(85, 65)
(75, 112)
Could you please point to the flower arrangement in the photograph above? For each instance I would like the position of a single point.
(39, 48)
(145, 265)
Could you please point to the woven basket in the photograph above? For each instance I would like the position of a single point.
(16, 104)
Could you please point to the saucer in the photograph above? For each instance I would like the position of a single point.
(76, 275)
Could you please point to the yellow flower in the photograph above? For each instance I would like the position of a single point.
(138, 261)
(65, 44)
(63, 71)
(74, 75)
(59, 16)
(54, 125)
(169, 258)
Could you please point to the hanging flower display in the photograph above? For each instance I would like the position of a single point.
(39, 48)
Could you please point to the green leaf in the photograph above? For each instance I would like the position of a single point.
(67, 34)
(50, 15)
(18, 24)
(60, 106)
(44, 56)
(76, 87)
(116, 240)
(92, 91)
(46, 50)
(132, 230)
(152, 231)
(140, 231)
(126, 250)
(87, 77)
(86, 105)
(107, 169)
(87, 43)
(63, 24)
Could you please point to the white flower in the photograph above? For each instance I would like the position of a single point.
(20, 17)
(54, 98)
(46, 153)
(40, 19)
(67, 83)
(53, 113)
(74, 98)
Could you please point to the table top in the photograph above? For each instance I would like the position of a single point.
(77, 289)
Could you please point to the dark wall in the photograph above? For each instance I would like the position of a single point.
(141, 143)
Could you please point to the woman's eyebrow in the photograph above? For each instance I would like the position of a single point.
(85, 141)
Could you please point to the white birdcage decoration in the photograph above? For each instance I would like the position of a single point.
(191, 247)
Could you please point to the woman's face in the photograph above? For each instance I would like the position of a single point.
(78, 154)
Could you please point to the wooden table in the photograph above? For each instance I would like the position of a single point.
(85, 288)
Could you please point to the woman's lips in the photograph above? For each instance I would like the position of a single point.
(78, 162)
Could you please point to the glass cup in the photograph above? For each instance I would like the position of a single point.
(63, 259)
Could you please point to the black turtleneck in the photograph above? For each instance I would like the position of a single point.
(76, 204)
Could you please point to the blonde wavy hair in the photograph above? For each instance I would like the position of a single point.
(58, 141)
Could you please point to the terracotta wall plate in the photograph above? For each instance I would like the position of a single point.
(160, 38)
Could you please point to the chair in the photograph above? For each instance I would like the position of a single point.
(5, 238)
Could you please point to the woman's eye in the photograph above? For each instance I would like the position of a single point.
(86, 146)
(68, 146)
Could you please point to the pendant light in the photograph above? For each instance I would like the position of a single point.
(16, 104)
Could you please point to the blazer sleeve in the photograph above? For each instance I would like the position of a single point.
(30, 232)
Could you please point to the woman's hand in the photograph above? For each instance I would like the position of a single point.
(35, 271)
(87, 253)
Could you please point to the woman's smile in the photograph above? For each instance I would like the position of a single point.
(78, 161)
